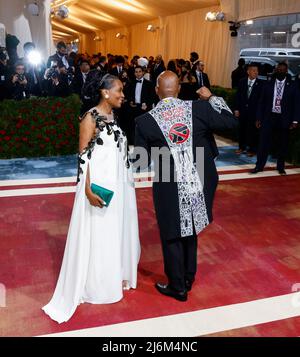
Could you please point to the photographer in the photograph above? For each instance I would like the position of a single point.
(34, 68)
(57, 80)
(19, 88)
(4, 76)
(60, 56)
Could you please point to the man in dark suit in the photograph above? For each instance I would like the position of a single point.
(194, 59)
(201, 77)
(183, 204)
(140, 97)
(4, 76)
(80, 77)
(278, 113)
(157, 68)
(119, 67)
(246, 104)
(238, 74)
(60, 57)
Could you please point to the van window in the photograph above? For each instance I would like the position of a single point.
(249, 53)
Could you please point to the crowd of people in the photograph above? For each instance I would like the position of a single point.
(65, 73)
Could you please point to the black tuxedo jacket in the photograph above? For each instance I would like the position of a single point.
(57, 59)
(165, 194)
(77, 83)
(156, 71)
(248, 106)
(289, 105)
(206, 82)
(147, 95)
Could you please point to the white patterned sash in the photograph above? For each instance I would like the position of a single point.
(174, 117)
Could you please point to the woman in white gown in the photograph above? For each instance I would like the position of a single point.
(102, 249)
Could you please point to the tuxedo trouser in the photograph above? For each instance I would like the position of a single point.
(273, 133)
(180, 260)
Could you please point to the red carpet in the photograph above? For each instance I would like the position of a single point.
(251, 251)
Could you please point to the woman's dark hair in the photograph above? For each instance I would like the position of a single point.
(96, 81)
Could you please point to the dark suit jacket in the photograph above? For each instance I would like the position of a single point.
(248, 106)
(290, 104)
(147, 95)
(55, 58)
(77, 83)
(206, 82)
(165, 194)
(156, 71)
(114, 72)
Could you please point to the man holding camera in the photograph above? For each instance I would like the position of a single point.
(56, 80)
(4, 76)
(18, 87)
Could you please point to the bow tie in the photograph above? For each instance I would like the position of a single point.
(139, 81)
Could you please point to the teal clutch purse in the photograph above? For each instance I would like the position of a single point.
(103, 193)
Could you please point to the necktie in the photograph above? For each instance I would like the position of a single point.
(200, 79)
(279, 88)
(138, 81)
(250, 88)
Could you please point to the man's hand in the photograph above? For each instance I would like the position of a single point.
(15, 78)
(294, 126)
(24, 82)
(55, 81)
(144, 106)
(204, 93)
(258, 124)
(236, 113)
(132, 104)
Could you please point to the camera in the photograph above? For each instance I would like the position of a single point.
(53, 72)
(21, 77)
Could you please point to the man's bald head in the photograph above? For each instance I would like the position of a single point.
(167, 85)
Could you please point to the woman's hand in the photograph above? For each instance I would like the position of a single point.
(94, 200)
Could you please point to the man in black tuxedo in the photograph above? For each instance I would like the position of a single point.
(119, 68)
(183, 204)
(194, 59)
(201, 77)
(140, 97)
(80, 77)
(60, 57)
(157, 68)
(246, 104)
(278, 113)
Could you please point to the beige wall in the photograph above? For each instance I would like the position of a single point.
(260, 8)
(176, 37)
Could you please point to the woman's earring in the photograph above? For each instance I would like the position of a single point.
(106, 96)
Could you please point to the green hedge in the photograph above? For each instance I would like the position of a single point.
(49, 127)
(39, 127)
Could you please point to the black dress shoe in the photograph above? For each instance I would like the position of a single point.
(169, 291)
(255, 171)
(189, 284)
(282, 172)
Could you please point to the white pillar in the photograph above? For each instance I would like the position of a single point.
(26, 27)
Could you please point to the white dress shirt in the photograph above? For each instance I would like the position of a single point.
(138, 92)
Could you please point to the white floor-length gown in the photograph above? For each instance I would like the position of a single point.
(102, 249)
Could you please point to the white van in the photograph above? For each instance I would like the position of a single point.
(267, 65)
(266, 52)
